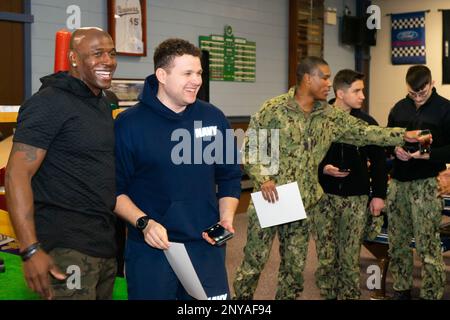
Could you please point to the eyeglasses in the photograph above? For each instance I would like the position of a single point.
(421, 94)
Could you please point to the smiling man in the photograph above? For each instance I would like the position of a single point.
(60, 176)
(164, 200)
(307, 126)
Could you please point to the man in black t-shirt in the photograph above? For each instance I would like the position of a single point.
(60, 177)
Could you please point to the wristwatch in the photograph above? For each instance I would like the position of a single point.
(142, 222)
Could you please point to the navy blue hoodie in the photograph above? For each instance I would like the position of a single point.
(149, 147)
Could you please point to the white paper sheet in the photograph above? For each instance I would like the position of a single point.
(288, 208)
(181, 263)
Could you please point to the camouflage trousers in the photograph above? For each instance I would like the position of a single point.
(293, 250)
(88, 278)
(415, 210)
(338, 224)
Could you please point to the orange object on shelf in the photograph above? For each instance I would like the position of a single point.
(62, 44)
(6, 228)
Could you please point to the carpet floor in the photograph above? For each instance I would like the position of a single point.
(268, 281)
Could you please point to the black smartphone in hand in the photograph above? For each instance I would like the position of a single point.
(219, 234)
(344, 170)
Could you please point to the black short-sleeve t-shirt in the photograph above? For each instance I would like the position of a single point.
(74, 189)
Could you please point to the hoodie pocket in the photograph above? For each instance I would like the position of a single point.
(185, 220)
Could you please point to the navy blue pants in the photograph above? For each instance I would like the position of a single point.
(150, 276)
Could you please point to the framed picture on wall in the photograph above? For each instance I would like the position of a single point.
(127, 26)
(127, 90)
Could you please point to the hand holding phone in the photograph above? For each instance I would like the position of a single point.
(425, 141)
(219, 234)
(336, 172)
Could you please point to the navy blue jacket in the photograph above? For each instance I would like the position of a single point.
(163, 163)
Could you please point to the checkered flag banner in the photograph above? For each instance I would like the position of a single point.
(408, 38)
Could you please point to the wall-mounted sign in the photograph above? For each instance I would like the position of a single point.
(230, 58)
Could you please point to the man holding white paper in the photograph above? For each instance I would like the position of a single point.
(288, 208)
(298, 128)
(168, 193)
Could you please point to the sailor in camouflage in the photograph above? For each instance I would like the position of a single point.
(413, 205)
(414, 211)
(348, 181)
(305, 126)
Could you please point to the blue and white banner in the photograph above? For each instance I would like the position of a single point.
(408, 38)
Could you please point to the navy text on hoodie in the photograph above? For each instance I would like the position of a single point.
(180, 195)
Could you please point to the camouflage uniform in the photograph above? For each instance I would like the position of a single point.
(339, 224)
(303, 142)
(414, 210)
(97, 276)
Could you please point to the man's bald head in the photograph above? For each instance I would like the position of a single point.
(92, 57)
(83, 33)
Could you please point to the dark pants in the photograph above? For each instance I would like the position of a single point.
(150, 276)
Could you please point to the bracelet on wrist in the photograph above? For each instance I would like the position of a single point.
(30, 251)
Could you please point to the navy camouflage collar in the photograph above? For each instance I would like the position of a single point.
(293, 104)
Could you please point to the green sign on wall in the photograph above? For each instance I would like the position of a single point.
(230, 58)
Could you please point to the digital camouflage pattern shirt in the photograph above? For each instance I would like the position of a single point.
(294, 143)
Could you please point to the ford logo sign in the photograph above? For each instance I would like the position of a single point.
(407, 35)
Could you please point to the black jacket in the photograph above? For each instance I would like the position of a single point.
(361, 180)
(433, 115)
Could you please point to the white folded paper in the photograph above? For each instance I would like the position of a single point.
(182, 266)
(288, 208)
